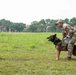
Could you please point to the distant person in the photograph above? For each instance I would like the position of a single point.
(68, 32)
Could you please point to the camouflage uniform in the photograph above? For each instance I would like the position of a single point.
(71, 32)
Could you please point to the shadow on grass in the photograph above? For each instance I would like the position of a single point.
(74, 59)
(30, 60)
(64, 59)
(19, 59)
(2, 58)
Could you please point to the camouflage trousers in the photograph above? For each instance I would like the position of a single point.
(71, 44)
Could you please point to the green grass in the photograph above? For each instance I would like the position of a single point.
(32, 54)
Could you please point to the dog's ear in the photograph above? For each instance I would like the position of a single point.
(55, 35)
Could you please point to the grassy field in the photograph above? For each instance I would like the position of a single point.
(32, 54)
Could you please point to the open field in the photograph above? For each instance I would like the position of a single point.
(32, 54)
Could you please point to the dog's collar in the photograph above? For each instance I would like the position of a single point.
(57, 41)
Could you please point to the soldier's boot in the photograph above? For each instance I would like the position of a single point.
(68, 58)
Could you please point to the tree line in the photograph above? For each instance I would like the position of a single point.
(7, 26)
(44, 25)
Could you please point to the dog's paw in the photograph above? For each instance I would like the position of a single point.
(56, 59)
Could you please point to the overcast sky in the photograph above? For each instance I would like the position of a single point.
(27, 11)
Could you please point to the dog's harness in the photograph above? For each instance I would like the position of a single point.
(59, 42)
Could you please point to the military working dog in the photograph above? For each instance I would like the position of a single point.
(60, 45)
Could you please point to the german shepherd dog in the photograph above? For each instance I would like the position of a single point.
(60, 46)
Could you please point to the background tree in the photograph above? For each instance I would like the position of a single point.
(73, 21)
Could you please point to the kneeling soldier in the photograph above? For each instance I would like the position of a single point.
(68, 32)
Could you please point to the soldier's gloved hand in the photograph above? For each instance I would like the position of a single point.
(65, 38)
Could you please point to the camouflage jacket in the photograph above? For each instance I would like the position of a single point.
(68, 30)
